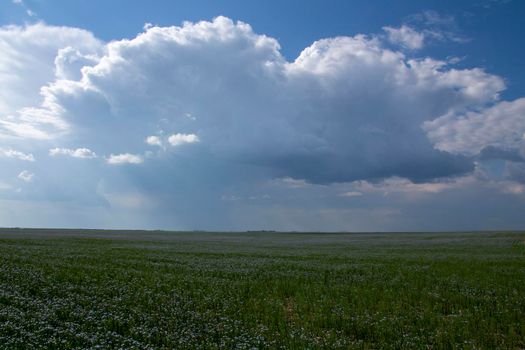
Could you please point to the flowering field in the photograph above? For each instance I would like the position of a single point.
(153, 290)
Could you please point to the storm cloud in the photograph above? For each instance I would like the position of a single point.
(189, 114)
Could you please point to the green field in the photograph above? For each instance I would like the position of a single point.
(159, 290)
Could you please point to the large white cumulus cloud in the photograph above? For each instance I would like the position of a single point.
(225, 109)
(28, 62)
(346, 109)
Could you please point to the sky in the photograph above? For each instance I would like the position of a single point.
(263, 115)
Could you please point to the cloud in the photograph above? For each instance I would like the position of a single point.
(26, 176)
(499, 127)
(347, 110)
(293, 183)
(180, 139)
(11, 153)
(405, 36)
(488, 4)
(437, 27)
(400, 185)
(174, 139)
(154, 141)
(353, 108)
(427, 27)
(124, 158)
(351, 194)
(69, 62)
(5, 186)
(27, 64)
(85, 153)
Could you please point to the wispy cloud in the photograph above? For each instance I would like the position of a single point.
(351, 194)
(26, 176)
(405, 36)
(438, 27)
(11, 153)
(85, 153)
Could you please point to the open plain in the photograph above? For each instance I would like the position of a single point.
(77, 289)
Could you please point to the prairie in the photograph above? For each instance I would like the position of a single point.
(77, 289)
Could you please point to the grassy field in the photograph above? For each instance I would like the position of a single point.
(154, 290)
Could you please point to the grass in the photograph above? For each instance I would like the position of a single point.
(154, 290)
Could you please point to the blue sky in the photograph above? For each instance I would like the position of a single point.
(234, 115)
